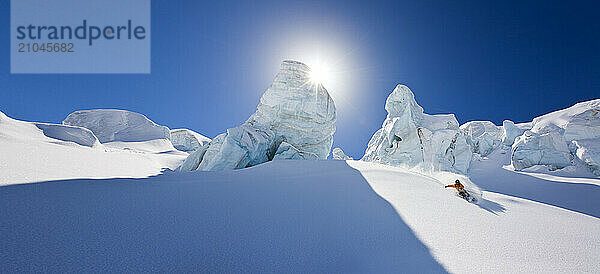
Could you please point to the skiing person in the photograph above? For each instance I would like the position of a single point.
(461, 189)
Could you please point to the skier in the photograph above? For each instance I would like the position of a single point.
(461, 190)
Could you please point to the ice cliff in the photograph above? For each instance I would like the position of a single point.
(411, 138)
(295, 119)
(78, 135)
(483, 136)
(561, 138)
(510, 132)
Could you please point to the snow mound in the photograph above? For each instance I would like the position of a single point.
(33, 152)
(338, 154)
(117, 125)
(187, 140)
(22, 131)
(558, 137)
(510, 132)
(483, 136)
(79, 135)
(293, 111)
(411, 138)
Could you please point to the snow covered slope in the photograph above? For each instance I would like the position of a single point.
(34, 152)
(295, 216)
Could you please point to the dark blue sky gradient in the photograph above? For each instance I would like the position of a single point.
(481, 60)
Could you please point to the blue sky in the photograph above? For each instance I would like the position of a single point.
(481, 60)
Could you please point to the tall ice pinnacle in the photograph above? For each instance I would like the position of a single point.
(295, 119)
(411, 138)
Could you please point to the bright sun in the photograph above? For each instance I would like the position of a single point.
(320, 74)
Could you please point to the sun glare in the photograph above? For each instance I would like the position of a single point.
(320, 74)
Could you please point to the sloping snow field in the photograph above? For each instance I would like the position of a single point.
(282, 216)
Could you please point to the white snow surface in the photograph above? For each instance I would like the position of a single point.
(302, 216)
(117, 125)
(187, 140)
(483, 136)
(293, 110)
(411, 138)
(36, 152)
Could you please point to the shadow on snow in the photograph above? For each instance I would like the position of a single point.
(272, 217)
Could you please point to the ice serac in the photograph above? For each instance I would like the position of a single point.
(549, 149)
(588, 151)
(299, 112)
(510, 132)
(338, 154)
(285, 151)
(411, 138)
(295, 119)
(483, 136)
(117, 125)
(555, 139)
(187, 140)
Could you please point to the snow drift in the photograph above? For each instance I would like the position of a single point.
(295, 119)
(411, 138)
(117, 125)
(34, 152)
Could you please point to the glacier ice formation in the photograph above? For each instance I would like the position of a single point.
(549, 149)
(117, 125)
(295, 119)
(588, 151)
(482, 136)
(187, 140)
(79, 135)
(510, 132)
(411, 138)
(338, 154)
(286, 151)
(560, 137)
